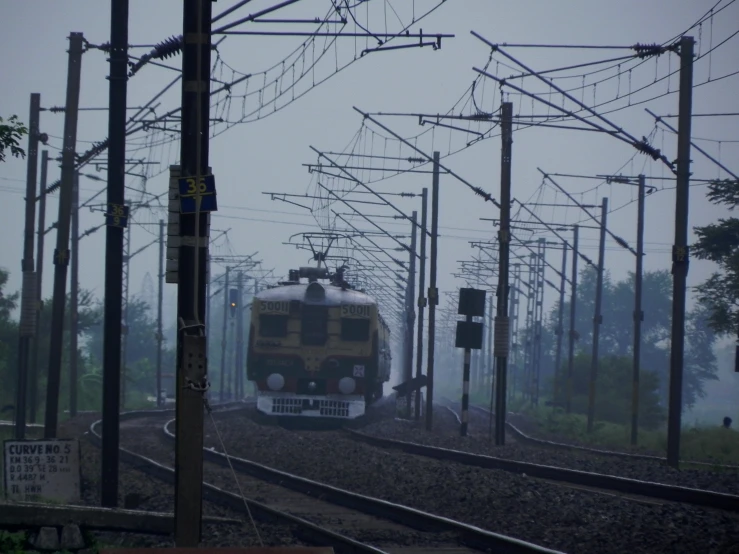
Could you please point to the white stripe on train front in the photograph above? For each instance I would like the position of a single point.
(287, 404)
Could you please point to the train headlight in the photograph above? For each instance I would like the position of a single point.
(347, 385)
(275, 382)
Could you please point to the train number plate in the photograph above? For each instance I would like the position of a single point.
(274, 307)
(355, 311)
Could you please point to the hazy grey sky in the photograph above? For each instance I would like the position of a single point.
(266, 155)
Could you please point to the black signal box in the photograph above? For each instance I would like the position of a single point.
(469, 335)
(471, 302)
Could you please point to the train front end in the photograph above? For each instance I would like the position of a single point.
(316, 351)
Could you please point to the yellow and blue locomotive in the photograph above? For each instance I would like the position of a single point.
(317, 349)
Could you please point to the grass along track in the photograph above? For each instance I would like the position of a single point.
(522, 437)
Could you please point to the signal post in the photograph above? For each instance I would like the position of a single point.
(469, 337)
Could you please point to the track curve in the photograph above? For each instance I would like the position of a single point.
(671, 493)
(284, 511)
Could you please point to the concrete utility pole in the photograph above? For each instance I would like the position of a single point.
(433, 293)
(572, 335)
(598, 316)
(638, 313)
(41, 233)
(421, 300)
(410, 315)
(559, 331)
(61, 253)
(680, 251)
(29, 310)
(502, 321)
(224, 337)
(74, 297)
(160, 302)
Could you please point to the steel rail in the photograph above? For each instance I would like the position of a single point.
(626, 485)
(469, 535)
(614, 453)
(308, 531)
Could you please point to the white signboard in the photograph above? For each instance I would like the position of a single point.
(46, 469)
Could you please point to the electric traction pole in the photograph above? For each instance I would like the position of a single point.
(572, 335)
(410, 311)
(502, 322)
(29, 312)
(680, 251)
(239, 363)
(74, 279)
(33, 372)
(61, 253)
(433, 294)
(598, 316)
(198, 188)
(160, 299)
(116, 220)
(224, 337)
(421, 301)
(559, 331)
(638, 313)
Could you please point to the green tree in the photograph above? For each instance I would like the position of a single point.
(8, 341)
(89, 316)
(616, 332)
(141, 353)
(613, 390)
(719, 243)
(11, 132)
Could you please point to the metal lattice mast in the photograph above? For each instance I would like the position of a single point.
(529, 343)
(124, 307)
(515, 360)
(539, 313)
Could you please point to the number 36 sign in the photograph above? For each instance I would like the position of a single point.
(190, 188)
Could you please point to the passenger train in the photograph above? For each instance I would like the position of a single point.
(317, 348)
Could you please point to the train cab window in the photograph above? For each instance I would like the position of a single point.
(314, 325)
(355, 329)
(273, 326)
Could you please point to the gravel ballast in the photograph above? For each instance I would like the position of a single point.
(548, 514)
(157, 496)
(445, 434)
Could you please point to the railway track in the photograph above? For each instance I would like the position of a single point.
(323, 514)
(522, 437)
(645, 491)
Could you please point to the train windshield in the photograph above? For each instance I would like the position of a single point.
(314, 325)
(273, 326)
(355, 329)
